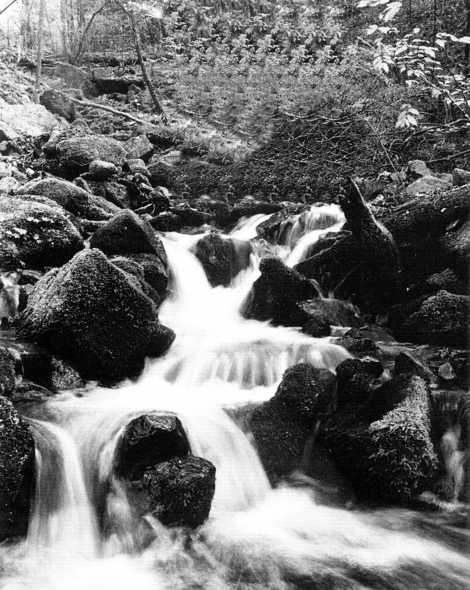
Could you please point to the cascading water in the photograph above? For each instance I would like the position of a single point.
(83, 533)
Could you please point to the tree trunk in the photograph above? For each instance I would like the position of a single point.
(138, 48)
(37, 89)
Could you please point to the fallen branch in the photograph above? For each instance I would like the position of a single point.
(94, 105)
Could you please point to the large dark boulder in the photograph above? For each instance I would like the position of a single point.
(178, 492)
(94, 314)
(75, 154)
(441, 319)
(16, 471)
(222, 258)
(388, 456)
(282, 426)
(71, 197)
(57, 103)
(35, 234)
(148, 440)
(126, 234)
(277, 293)
(189, 216)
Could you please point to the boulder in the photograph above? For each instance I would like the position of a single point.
(57, 103)
(283, 425)
(71, 197)
(166, 221)
(16, 472)
(76, 153)
(35, 234)
(136, 166)
(139, 147)
(222, 258)
(155, 270)
(325, 312)
(441, 319)
(219, 210)
(126, 233)
(388, 457)
(101, 170)
(418, 169)
(276, 295)
(426, 185)
(94, 314)
(73, 76)
(189, 216)
(18, 120)
(177, 492)
(148, 440)
(456, 245)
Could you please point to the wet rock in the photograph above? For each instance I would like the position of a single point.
(222, 258)
(139, 147)
(277, 293)
(441, 319)
(18, 120)
(155, 270)
(189, 216)
(71, 197)
(63, 376)
(101, 170)
(426, 185)
(325, 312)
(177, 492)
(76, 153)
(407, 363)
(357, 346)
(388, 456)
(57, 103)
(35, 235)
(112, 190)
(283, 425)
(446, 280)
(249, 206)
(278, 227)
(148, 440)
(16, 472)
(166, 221)
(91, 313)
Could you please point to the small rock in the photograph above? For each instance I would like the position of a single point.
(139, 147)
(418, 169)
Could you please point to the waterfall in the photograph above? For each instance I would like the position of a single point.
(83, 532)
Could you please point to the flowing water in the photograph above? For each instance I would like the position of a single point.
(83, 533)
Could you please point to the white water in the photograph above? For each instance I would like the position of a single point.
(256, 538)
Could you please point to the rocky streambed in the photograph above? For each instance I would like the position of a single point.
(137, 320)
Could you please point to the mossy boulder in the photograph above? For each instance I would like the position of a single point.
(441, 319)
(126, 234)
(96, 315)
(388, 456)
(282, 426)
(76, 153)
(35, 234)
(16, 471)
(178, 492)
(71, 197)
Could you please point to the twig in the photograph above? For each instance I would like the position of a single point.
(94, 105)
(447, 158)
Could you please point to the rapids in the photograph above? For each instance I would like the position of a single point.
(82, 533)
